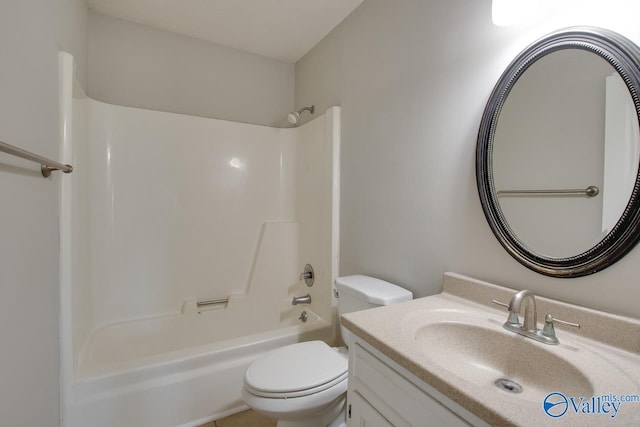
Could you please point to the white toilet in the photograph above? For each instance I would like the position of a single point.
(305, 384)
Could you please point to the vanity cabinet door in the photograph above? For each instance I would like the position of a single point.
(379, 395)
(364, 415)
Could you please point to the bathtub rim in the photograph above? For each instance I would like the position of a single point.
(200, 355)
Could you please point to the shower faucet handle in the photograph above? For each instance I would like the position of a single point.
(308, 275)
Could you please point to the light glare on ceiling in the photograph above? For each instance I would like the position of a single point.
(563, 12)
(513, 12)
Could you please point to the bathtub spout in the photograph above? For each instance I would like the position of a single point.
(301, 300)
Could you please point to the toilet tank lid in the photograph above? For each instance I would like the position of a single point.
(372, 290)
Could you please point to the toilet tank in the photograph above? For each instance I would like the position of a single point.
(362, 292)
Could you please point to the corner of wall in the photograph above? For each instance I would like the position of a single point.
(72, 35)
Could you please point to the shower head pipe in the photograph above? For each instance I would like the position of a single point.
(295, 116)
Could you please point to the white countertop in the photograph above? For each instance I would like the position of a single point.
(608, 344)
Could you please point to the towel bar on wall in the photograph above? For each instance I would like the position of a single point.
(590, 191)
(46, 166)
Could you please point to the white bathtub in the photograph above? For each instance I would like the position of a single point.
(146, 381)
(162, 211)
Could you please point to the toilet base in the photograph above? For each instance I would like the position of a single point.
(334, 416)
(341, 419)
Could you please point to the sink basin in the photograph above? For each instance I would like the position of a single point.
(486, 353)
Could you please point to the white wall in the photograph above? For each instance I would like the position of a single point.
(29, 35)
(72, 34)
(137, 66)
(412, 78)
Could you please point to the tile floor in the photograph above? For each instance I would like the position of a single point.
(243, 419)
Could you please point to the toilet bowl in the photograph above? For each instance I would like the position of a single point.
(300, 385)
(305, 384)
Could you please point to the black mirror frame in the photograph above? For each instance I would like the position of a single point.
(624, 56)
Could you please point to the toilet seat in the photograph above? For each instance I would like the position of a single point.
(296, 370)
(299, 393)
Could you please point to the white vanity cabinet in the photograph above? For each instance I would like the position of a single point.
(381, 393)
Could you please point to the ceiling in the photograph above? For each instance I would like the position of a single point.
(281, 29)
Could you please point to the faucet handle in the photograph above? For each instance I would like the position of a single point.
(550, 318)
(549, 330)
(500, 303)
(308, 275)
(513, 316)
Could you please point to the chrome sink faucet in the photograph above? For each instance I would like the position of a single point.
(530, 314)
(529, 328)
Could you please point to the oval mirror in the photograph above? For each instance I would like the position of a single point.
(558, 153)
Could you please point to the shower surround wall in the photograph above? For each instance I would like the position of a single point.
(164, 210)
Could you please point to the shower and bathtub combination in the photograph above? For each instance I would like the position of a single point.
(182, 243)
